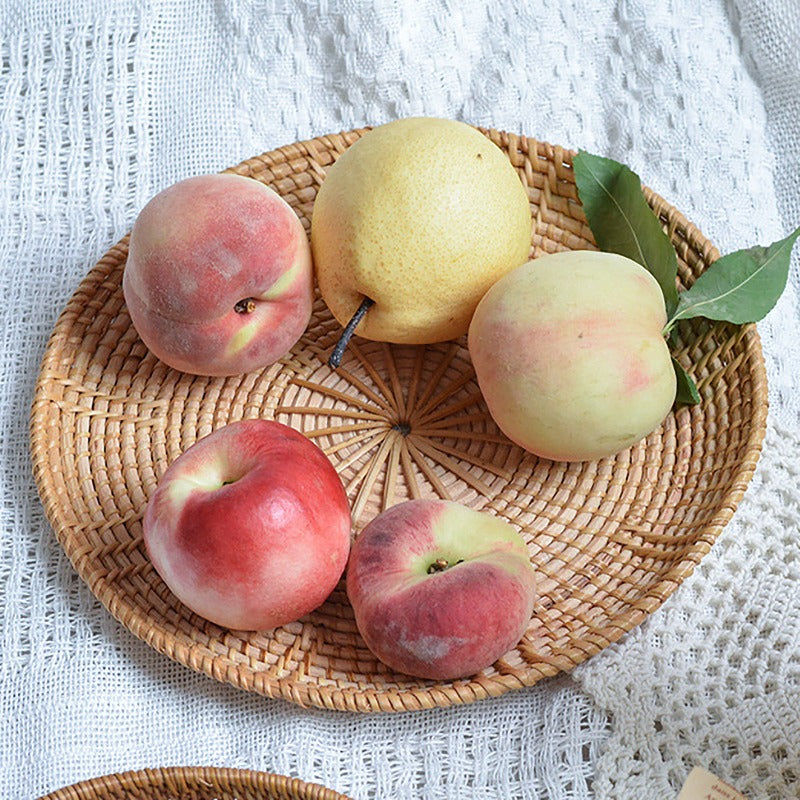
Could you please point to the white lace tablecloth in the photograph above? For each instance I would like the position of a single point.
(104, 103)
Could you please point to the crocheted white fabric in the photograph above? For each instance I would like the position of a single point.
(103, 103)
(713, 677)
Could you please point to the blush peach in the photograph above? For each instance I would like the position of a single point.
(218, 279)
(440, 591)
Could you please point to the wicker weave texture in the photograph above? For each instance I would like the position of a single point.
(194, 783)
(611, 539)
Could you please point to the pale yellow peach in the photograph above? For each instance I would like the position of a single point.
(570, 357)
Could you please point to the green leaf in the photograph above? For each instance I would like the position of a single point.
(687, 392)
(622, 221)
(739, 287)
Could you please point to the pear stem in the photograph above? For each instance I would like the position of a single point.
(347, 333)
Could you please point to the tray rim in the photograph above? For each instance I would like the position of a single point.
(413, 697)
(155, 777)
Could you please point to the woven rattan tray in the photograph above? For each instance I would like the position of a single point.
(612, 539)
(194, 783)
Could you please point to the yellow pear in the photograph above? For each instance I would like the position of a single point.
(421, 216)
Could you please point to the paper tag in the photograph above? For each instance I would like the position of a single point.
(704, 785)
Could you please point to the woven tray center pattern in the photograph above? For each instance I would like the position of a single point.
(611, 539)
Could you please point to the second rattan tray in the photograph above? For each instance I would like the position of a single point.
(611, 539)
(194, 783)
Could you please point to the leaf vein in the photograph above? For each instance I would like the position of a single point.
(621, 212)
(691, 309)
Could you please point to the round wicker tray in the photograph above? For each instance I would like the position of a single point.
(194, 783)
(612, 539)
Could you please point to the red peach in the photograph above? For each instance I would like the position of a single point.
(219, 278)
(250, 527)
